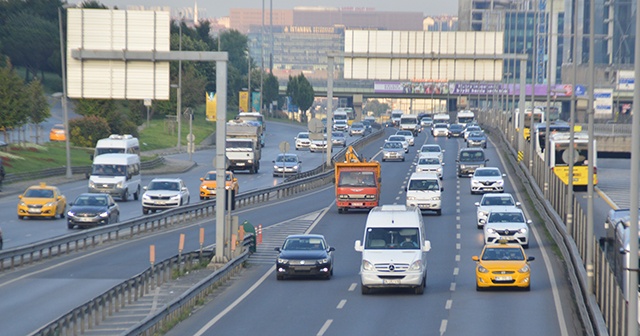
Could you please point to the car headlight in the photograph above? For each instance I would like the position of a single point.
(249, 161)
(524, 269)
(146, 197)
(436, 198)
(367, 266)
(481, 269)
(323, 261)
(416, 266)
(104, 214)
(70, 214)
(463, 166)
(275, 167)
(203, 187)
(411, 198)
(175, 197)
(283, 261)
(295, 167)
(91, 184)
(49, 204)
(343, 196)
(473, 182)
(120, 184)
(483, 213)
(500, 183)
(370, 196)
(523, 230)
(22, 204)
(439, 170)
(490, 230)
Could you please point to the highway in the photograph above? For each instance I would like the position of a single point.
(256, 303)
(450, 304)
(20, 232)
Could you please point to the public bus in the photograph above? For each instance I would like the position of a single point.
(559, 158)
(540, 134)
(529, 119)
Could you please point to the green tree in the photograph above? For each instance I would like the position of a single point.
(270, 88)
(301, 93)
(14, 99)
(86, 131)
(38, 107)
(378, 109)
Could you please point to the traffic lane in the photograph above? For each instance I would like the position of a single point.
(21, 232)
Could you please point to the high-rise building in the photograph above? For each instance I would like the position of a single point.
(440, 23)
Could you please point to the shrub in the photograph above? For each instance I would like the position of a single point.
(86, 131)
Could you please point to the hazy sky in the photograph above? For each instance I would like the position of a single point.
(218, 8)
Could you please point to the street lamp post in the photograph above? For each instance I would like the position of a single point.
(63, 99)
(179, 91)
(248, 81)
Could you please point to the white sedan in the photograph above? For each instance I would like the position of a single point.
(164, 193)
(408, 135)
(487, 179)
(508, 225)
(493, 202)
(401, 138)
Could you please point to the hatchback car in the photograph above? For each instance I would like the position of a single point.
(302, 140)
(57, 133)
(477, 139)
(430, 163)
(304, 255)
(392, 150)
(164, 193)
(440, 129)
(455, 131)
(402, 139)
(92, 209)
(509, 225)
(357, 128)
(469, 159)
(502, 265)
(338, 139)
(487, 179)
(493, 202)
(433, 149)
(469, 129)
(409, 136)
(286, 164)
(42, 201)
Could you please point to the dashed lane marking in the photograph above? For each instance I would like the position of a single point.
(341, 304)
(324, 328)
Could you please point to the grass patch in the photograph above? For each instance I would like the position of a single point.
(30, 158)
(52, 81)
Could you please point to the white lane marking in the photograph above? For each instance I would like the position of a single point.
(457, 226)
(220, 315)
(457, 257)
(457, 199)
(447, 306)
(341, 304)
(455, 269)
(458, 217)
(457, 236)
(458, 210)
(452, 288)
(399, 193)
(547, 264)
(457, 246)
(324, 328)
(443, 327)
(353, 287)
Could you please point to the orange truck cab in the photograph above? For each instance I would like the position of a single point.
(358, 183)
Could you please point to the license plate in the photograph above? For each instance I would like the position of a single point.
(240, 163)
(391, 281)
(35, 210)
(503, 278)
(83, 219)
(160, 202)
(357, 204)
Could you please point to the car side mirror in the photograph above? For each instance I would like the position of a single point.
(59, 198)
(274, 161)
(531, 258)
(443, 163)
(183, 189)
(476, 203)
(426, 247)
(486, 160)
(71, 204)
(443, 150)
(517, 203)
(442, 189)
(277, 249)
(235, 179)
(144, 188)
(20, 196)
(358, 246)
(331, 249)
(202, 179)
(504, 175)
(529, 221)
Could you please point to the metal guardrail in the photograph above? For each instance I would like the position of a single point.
(98, 309)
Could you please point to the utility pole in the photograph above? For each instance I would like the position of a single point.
(572, 117)
(179, 90)
(547, 170)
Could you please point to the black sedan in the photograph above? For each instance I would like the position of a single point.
(456, 131)
(304, 255)
(92, 209)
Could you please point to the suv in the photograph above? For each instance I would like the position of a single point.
(340, 125)
(469, 159)
(164, 193)
(423, 191)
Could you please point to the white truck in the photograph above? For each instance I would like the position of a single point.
(409, 122)
(243, 146)
(465, 117)
(395, 117)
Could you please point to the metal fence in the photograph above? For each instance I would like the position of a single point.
(607, 307)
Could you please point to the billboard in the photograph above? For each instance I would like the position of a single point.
(467, 88)
(626, 80)
(603, 103)
(255, 101)
(243, 101)
(212, 105)
(115, 31)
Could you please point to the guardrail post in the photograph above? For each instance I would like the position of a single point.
(259, 234)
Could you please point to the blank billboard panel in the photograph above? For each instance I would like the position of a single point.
(117, 31)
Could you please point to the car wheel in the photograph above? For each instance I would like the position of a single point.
(478, 288)
(279, 277)
(137, 194)
(340, 210)
(439, 212)
(62, 214)
(402, 159)
(20, 217)
(125, 195)
(479, 226)
(201, 198)
(145, 211)
(420, 289)
(70, 226)
(527, 289)
(525, 246)
(383, 160)
(365, 290)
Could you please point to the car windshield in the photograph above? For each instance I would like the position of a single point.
(476, 134)
(396, 138)
(503, 253)
(286, 158)
(357, 179)
(469, 156)
(303, 136)
(431, 185)
(429, 161)
(392, 145)
(441, 126)
(304, 244)
(357, 126)
(392, 238)
(108, 170)
(91, 200)
(212, 177)
(404, 133)
(456, 127)
(497, 200)
(39, 193)
(473, 128)
(164, 185)
(337, 135)
(487, 172)
(430, 149)
(506, 217)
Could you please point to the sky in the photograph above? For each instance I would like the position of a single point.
(219, 8)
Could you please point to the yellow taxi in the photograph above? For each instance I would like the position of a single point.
(42, 201)
(503, 265)
(57, 133)
(208, 184)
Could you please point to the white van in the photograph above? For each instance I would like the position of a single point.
(394, 252)
(117, 175)
(441, 118)
(117, 144)
(424, 191)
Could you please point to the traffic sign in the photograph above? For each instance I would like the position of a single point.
(191, 137)
(315, 126)
(284, 147)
